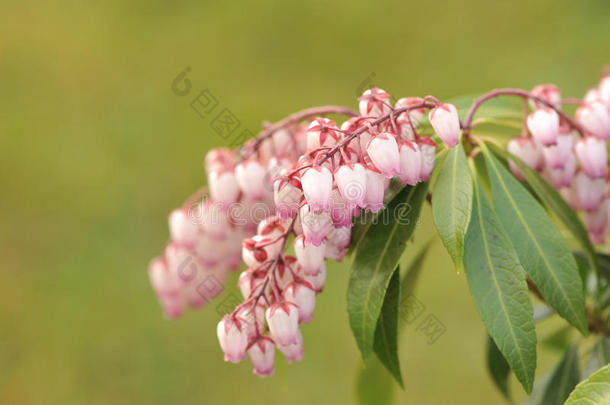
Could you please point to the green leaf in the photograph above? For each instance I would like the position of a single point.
(498, 286)
(374, 385)
(563, 379)
(554, 202)
(600, 356)
(540, 387)
(386, 333)
(542, 251)
(452, 203)
(375, 260)
(498, 367)
(595, 390)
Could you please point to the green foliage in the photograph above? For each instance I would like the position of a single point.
(498, 286)
(375, 260)
(544, 254)
(599, 357)
(552, 201)
(386, 333)
(452, 203)
(595, 390)
(498, 367)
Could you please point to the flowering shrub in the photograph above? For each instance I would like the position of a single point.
(307, 189)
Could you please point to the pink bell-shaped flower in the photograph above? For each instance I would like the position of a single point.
(223, 186)
(183, 228)
(549, 93)
(595, 119)
(351, 182)
(383, 151)
(317, 281)
(292, 351)
(590, 191)
(562, 177)
(250, 176)
(321, 132)
(287, 197)
(593, 156)
(374, 103)
(315, 225)
(310, 257)
(262, 356)
(446, 123)
(544, 126)
(317, 183)
(304, 296)
(283, 321)
(557, 155)
(375, 190)
(428, 155)
(410, 163)
(233, 337)
(528, 151)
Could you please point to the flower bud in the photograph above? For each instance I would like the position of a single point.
(593, 156)
(562, 177)
(590, 191)
(287, 197)
(315, 225)
(556, 155)
(416, 114)
(446, 123)
(374, 103)
(383, 151)
(604, 91)
(219, 159)
(549, 93)
(321, 132)
(340, 211)
(167, 287)
(375, 190)
(317, 185)
(182, 229)
(223, 186)
(317, 281)
(283, 321)
(410, 163)
(310, 257)
(528, 151)
(304, 296)
(292, 351)
(544, 126)
(259, 249)
(233, 337)
(351, 182)
(428, 155)
(597, 222)
(595, 119)
(262, 356)
(250, 176)
(570, 196)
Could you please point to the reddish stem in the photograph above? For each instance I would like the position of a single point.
(519, 93)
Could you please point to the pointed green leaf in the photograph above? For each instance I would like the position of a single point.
(595, 390)
(542, 251)
(498, 367)
(600, 356)
(374, 385)
(375, 260)
(386, 333)
(553, 201)
(452, 203)
(498, 286)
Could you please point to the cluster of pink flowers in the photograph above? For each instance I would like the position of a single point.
(571, 155)
(315, 176)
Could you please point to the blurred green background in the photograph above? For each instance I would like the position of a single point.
(97, 149)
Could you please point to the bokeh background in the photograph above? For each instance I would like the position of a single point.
(96, 149)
